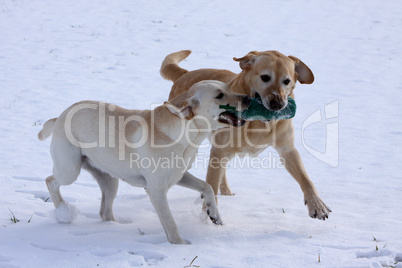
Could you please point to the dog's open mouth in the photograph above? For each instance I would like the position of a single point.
(231, 119)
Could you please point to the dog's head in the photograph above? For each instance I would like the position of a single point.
(273, 76)
(202, 102)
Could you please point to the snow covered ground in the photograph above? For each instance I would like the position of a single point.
(54, 53)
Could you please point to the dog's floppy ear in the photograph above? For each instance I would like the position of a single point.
(305, 75)
(247, 61)
(182, 106)
(177, 101)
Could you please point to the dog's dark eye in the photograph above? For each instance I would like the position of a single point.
(265, 78)
(220, 96)
(286, 81)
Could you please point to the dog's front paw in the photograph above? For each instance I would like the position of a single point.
(212, 212)
(317, 208)
(217, 220)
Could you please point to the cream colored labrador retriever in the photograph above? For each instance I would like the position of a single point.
(145, 148)
(272, 76)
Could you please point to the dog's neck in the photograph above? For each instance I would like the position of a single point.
(176, 130)
(238, 84)
(199, 131)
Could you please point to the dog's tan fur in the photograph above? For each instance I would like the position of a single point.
(255, 136)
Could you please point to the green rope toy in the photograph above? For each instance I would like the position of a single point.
(257, 111)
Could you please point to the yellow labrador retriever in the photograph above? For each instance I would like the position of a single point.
(273, 77)
(152, 149)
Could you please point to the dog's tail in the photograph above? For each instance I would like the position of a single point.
(170, 70)
(47, 129)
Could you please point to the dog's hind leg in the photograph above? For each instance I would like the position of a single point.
(66, 167)
(108, 185)
(54, 190)
(224, 185)
(191, 182)
(216, 174)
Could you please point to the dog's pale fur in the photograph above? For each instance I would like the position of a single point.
(273, 76)
(90, 135)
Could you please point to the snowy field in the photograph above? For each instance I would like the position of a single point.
(348, 131)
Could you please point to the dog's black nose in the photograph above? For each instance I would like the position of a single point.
(275, 105)
(246, 100)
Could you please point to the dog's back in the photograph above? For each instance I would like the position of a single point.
(184, 79)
